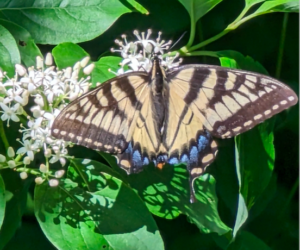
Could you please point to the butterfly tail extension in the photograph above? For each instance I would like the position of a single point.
(202, 153)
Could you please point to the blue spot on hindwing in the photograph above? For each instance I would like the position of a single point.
(146, 161)
(129, 148)
(137, 158)
(184, 158)
(203, 142)
(173, 160)
(194, 154)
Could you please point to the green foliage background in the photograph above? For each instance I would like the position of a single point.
(245, 202)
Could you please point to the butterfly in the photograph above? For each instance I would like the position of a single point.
(171, 116)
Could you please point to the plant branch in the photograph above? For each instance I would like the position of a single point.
(3, 136)
(281, 45)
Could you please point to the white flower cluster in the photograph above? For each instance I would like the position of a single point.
(49, 89)
(137, 54)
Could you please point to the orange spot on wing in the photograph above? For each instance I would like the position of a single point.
(160, 165)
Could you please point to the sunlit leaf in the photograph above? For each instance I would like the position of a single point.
(101, 71)
(67, 54)
(26, 45)
(99, 212)
(278, 6)
(166, 194)
(9, 52)
(53, 22)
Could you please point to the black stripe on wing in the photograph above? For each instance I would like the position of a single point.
(103, 118)
(230, 101)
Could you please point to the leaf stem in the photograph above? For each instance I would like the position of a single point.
(193, 27)
(3, 136)
(281, 45)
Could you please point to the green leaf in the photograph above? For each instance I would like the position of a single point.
(67, 54)
(242, 211)
(88, 173)
(138, 7)
(247, 241)
(256, 156)
(15, 207)
(9, 52)
(67, 214)
(114, 215)
(278, 6)
(228, 62)
(166, 194)
(54, 22)
(26, 45)
(2, 200)
(101, 71)
(263, 199)
(250, 3)
(227, 58)
(198, 8)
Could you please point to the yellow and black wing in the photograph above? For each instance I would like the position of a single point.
(104, 118)
(206, 101)
(228, 101)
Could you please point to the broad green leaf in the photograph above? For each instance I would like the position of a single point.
(248, 241)
(101, 71)
(166, 194)
(82, 171)
(112, 216)
(278, 6)
(54, 22)
(241, 62)
(26, 45)
(15, 207)
(263, 199)
(2, 200)
(256, 154)
(198, 8)
(242, 211)
(9, 52)
(250, 3)
(67, 54)
(67, 216)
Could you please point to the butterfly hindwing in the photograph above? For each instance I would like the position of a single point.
(145, 143)
(104, 118)
(186, 140)
(227, 101)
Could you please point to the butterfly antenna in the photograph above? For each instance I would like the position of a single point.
(178, 40)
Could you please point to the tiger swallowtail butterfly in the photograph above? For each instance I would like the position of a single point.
(171, 116)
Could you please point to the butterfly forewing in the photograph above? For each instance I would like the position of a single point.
(227, 101)
(104, 119)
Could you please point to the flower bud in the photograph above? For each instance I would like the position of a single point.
(39, 180)
(53, 183)
(10, 152)
(23, 175)
(59, 173)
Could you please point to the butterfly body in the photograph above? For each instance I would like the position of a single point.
(171, 116)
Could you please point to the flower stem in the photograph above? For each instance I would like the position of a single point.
(193, 27)
(3, 136)
(281, 45)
